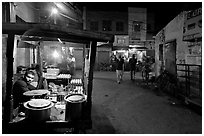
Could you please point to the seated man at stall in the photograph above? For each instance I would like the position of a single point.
(20, 86)
(20, 71)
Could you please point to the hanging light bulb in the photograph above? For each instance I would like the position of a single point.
(55, 54)
(54, 11)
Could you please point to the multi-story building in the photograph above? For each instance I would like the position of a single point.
(107, 22)
(140, 31)
(133, 31)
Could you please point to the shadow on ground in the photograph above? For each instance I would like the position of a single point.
(100, 122)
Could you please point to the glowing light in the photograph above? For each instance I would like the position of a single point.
(54, 11)
(55, 54)
(71, 49)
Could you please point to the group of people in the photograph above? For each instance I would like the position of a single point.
(29, 79)
(120, 67)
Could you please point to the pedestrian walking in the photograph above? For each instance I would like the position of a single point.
(119, 68)
(132, 62)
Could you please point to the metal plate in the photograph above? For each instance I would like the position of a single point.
(36, 92)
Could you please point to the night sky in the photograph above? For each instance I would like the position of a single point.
(164, 11)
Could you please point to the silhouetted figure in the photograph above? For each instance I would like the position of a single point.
(119, 68)
(132, 62)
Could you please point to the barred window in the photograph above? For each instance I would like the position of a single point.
(136, 26)
(107, 25)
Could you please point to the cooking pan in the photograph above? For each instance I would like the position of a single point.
(38, 110)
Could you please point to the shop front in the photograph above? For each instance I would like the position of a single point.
(65, 105)
(127, 51)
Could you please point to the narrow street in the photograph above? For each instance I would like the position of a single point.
(57, 59)
(131, 108)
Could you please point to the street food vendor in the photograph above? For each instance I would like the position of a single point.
(39, 81)
(22, 85)
(20, 71)
(71, 64)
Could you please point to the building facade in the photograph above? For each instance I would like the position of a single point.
(178, 51)
(185, 33)
(131, 30)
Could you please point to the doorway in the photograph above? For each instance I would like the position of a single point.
(170, 57)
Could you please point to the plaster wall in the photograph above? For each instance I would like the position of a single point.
(159, 41)
(174, 31)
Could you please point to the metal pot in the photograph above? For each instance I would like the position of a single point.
(74, 106)
(37, 94)
(40, 112)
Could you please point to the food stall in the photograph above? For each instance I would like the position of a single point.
(63, 109)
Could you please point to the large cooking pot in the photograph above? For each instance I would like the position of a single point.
(38, 110)
(74, 104)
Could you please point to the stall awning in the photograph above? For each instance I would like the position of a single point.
(139, 48)
(127, 47)
(48, 32)
(120, 48)
(24, 44)
(107, 45)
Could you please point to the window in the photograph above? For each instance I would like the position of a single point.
(107, 24)
(119, 26)
(120, 40)
(136, 26)
(161, 52)
(94, 26)
(191, 26)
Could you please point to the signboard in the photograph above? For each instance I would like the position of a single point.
(121, 40)
(192, 25)
(191, 36)
(194, 13)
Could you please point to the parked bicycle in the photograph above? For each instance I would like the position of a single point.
(166, 82)
(148, 71)
(145, 73)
